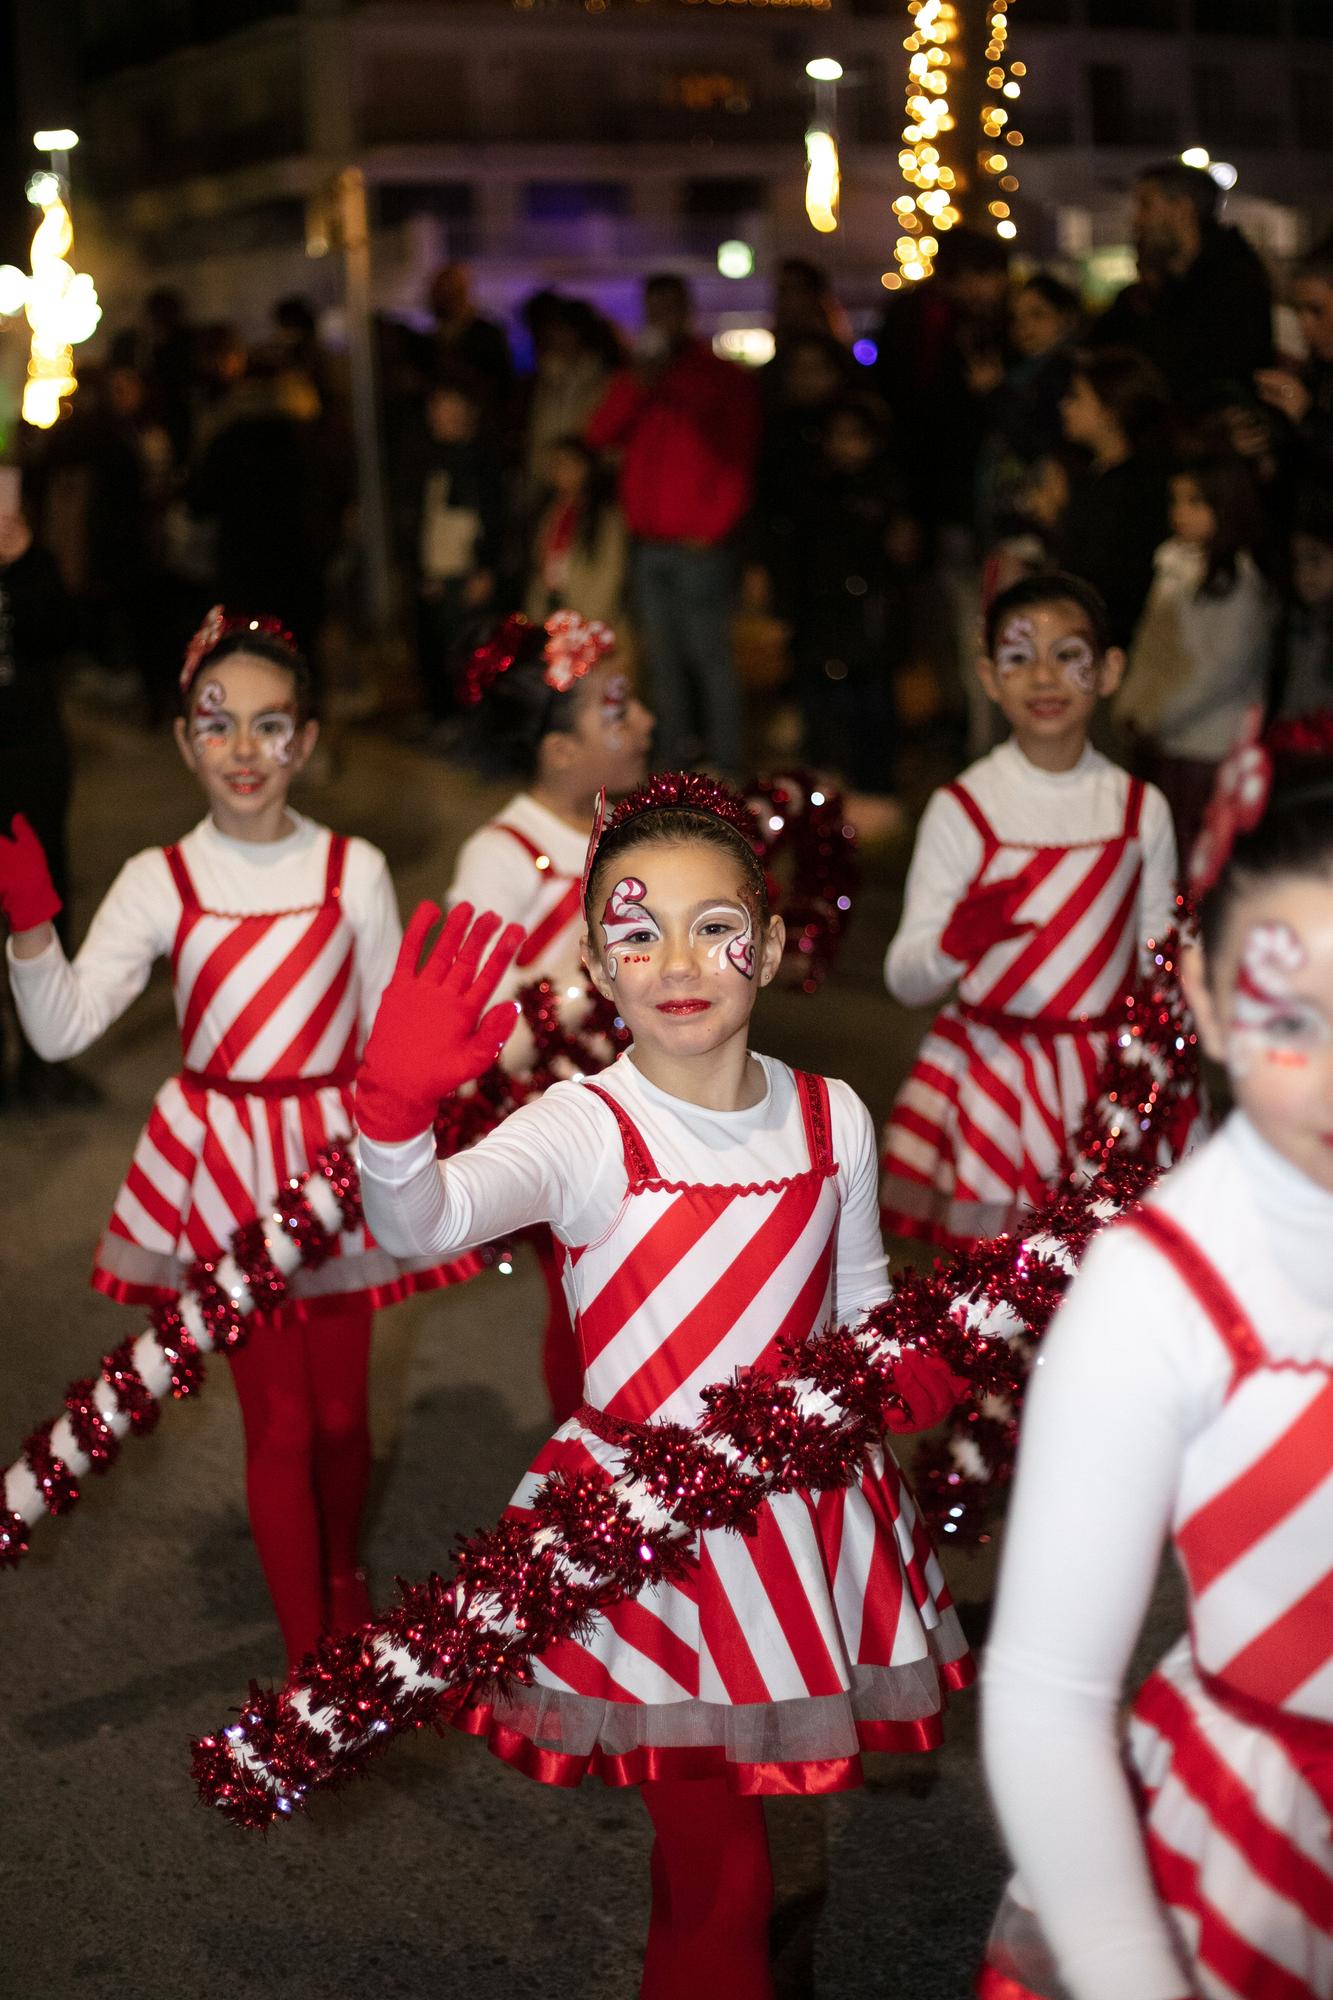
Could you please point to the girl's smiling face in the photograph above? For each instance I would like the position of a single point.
(607, 744)
(677, 943)
(243, 738)
(1265, 1010)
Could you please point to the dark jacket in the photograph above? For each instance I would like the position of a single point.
(1207, 330)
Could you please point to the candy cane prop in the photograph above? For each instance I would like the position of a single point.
(594, 1541)
(213, 1312)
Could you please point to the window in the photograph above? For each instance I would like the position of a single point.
(572, 201)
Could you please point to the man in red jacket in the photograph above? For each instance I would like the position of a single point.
(686, 426)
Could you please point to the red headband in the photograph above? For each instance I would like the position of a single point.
(1244, 782)
(567, 645)
(681, 790)
(216, 627)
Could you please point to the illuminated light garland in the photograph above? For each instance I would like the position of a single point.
(212, 1313)
(810, 858)
(997, 129)
(931, 208)
(60, 304)
(1146, 1099)
(589, 1543)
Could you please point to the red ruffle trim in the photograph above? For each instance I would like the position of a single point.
(806, 1778)
(406, 1286)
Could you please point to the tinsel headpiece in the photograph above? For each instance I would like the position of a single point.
(216, 627)
(567, 645)
(680, 790)
(1244, 783)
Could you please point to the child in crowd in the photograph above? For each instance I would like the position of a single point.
(708, 1204)
(580, 551)
(458, 532)
(552, 706)
(281, 936)
(1201, 657)
(1305, 684)
(1186, 1390)
(1116, 410)
(1037, 878)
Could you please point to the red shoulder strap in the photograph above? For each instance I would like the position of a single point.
(1233, 1324)
(638, 1160)
(529, 847)
(1133, 807)
(180, 875)
(990, 838)
(333, 874)
(557, 919)
(812, 1092)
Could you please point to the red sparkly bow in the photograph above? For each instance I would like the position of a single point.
(1240, 795)
(217, 626)
(567, 645)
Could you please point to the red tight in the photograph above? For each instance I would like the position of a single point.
(712, 1894)
(302, 1389)
(562, 1358)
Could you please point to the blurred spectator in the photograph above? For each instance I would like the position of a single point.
(1024, 421)
(297, 341)
(569, 379)
(811, 374)
(468, 349)
(274, 496)
(686, 426)
(1202, 654)
(853, 560)
(166, 360)
(459, 538)
(1116, 408)
(1201, 309)
(1305, 682)
(580, 550)
(1303, 395)
(34, 757)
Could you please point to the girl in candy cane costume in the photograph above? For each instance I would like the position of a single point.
(1186, 1390)
(553, 706)
(708, 1205)
(281, 936)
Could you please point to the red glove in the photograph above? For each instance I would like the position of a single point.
(930, 1390)
(431, 1034)
(27, 893)
(983, 918)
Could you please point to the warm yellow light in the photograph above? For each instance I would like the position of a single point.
(914, 271)
(1019, 69)
(61, 140)
(891, 282)
(823, 180)
(62, 310)
(994, 78)
(1015, 138)
(998, 207)
(1013, 90)
(1196, 156)
(1006, 229)
(824, 69)
(1010, 183)
(997, 163)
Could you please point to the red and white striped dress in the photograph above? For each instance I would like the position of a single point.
(268, 1006)
(1230, 1741)
(786, 1653)
(980, 1127)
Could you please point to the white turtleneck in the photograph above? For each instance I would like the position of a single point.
(1024, 806)
(1126, 1386)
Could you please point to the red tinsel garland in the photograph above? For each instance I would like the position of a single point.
(589, 1543)
(810, 851)
(212, 1312)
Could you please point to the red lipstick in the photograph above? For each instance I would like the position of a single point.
(683, 1006)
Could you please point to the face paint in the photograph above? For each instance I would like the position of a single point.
(275, 734)
(625, 921)
(209, 723)
(1017, 647)
(735, 939)
(615, 701)
(1268, 1021)
(1077, 662)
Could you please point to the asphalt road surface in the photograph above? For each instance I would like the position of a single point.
(139, 1620)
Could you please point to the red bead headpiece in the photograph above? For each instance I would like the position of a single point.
(682, 790)
(567, 645)
(1244, 782)
(216, 627)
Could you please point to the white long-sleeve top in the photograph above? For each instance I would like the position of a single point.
(1028, 807)
(561, 1161)
(1128, 1382)
(64, 1007)
(495, 872)
(1197, 663)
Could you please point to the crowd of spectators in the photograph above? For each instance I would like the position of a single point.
(855, 502)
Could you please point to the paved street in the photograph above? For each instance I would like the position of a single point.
(139, 1620)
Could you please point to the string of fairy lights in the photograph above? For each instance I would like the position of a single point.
(930, 205)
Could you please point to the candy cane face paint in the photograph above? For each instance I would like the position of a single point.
(629, 932)
(1046, 673)
(726, 932)
(244, 740)
(1267, 1013)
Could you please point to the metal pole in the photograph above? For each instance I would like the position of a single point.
(354, 234)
